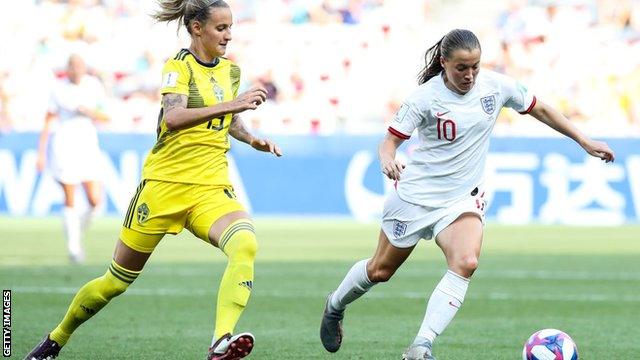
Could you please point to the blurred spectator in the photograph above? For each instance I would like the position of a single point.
(336, 69)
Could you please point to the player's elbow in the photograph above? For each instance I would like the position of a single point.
(541, 111)
(172, 122)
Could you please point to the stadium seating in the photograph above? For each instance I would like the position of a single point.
(333, 66)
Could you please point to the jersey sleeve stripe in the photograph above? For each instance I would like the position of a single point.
(533, 103)
(398, 133)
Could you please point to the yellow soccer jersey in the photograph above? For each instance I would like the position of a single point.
(195, 155)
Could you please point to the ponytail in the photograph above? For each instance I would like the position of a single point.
(432, 63)
(454, 40)
(186, 10)
(170, 10)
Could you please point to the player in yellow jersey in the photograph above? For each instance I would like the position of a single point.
(185, 182)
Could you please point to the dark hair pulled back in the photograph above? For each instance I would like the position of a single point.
(454, 40)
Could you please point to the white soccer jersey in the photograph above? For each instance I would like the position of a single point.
(454, 133)
(67, 97)
(74, 152)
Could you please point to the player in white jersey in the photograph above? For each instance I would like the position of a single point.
(440, 192)
(72, 144)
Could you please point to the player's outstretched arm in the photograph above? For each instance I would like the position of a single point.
(554, 119)
(240, 132)
(177, 116)
(387, 155)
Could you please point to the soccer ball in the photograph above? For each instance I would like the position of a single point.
(550, 344)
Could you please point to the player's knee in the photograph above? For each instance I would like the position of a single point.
(378, 273)
(466, 266)
(240, 244)
(380, 276)
(247, 245)
(93, 201)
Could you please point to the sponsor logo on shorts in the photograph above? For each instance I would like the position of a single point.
(399, 228)
(143, 213)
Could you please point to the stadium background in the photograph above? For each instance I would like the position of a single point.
(562, 235)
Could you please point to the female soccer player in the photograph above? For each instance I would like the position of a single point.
(74, 156)
(185, 181)
(440, 192)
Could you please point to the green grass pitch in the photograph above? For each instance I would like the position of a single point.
(585, 281)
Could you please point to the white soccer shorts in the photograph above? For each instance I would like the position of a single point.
(405, 223)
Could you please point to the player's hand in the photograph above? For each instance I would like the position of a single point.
(392, 168)
(266, 145)
(600, 150)
(250, 99)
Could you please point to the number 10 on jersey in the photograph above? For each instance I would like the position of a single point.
(446, 129)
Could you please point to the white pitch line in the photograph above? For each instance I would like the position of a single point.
(414, 272)
(480, 274)
(65, 290)
(499, 296)
(557, 275)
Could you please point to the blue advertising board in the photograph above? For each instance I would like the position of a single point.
(546, 180)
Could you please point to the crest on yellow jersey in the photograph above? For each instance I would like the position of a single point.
(218, 92)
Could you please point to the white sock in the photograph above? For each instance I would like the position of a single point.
(86, 218)
(443, 305)
(71, 222)
(355, 284)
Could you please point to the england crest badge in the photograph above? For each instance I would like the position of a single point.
(399, 228)
(488, 104)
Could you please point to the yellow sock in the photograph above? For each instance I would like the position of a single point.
(92, 297)
(238, 241)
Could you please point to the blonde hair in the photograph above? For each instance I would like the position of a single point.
(186, 10)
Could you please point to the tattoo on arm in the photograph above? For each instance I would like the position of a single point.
(238, 131)
(172, 101)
